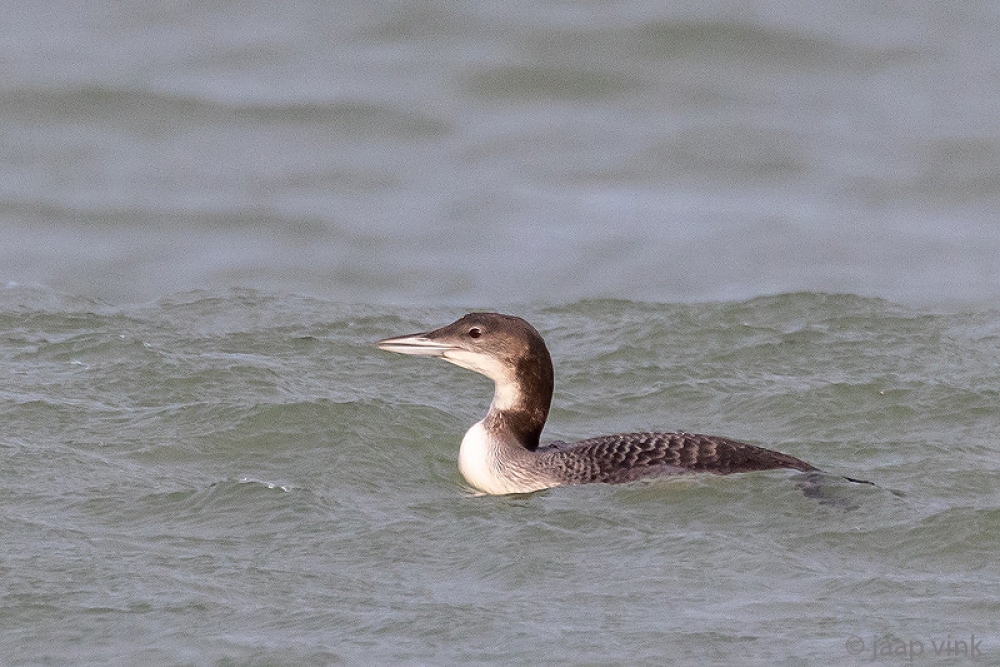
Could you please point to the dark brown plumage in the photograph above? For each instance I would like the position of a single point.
(626, 457)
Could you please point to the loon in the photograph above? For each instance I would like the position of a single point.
(501, 454)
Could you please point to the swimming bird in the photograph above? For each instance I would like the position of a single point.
(503, 454)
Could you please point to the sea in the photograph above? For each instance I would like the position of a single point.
(777, 222)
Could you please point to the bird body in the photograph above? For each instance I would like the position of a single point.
(503, 454)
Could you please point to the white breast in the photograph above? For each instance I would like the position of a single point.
(477, 460)
(493, 467)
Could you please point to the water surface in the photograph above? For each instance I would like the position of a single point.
(769, 221)
(242, 478)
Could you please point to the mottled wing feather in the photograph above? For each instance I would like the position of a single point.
(629, 456)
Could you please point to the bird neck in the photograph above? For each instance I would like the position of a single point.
(521, 403)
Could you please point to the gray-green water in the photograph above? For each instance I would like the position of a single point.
(209, 210)
(240, 478)
(485, 153)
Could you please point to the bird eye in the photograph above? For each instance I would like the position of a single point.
(475, 332)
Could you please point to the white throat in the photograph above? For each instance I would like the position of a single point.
(506, 393)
